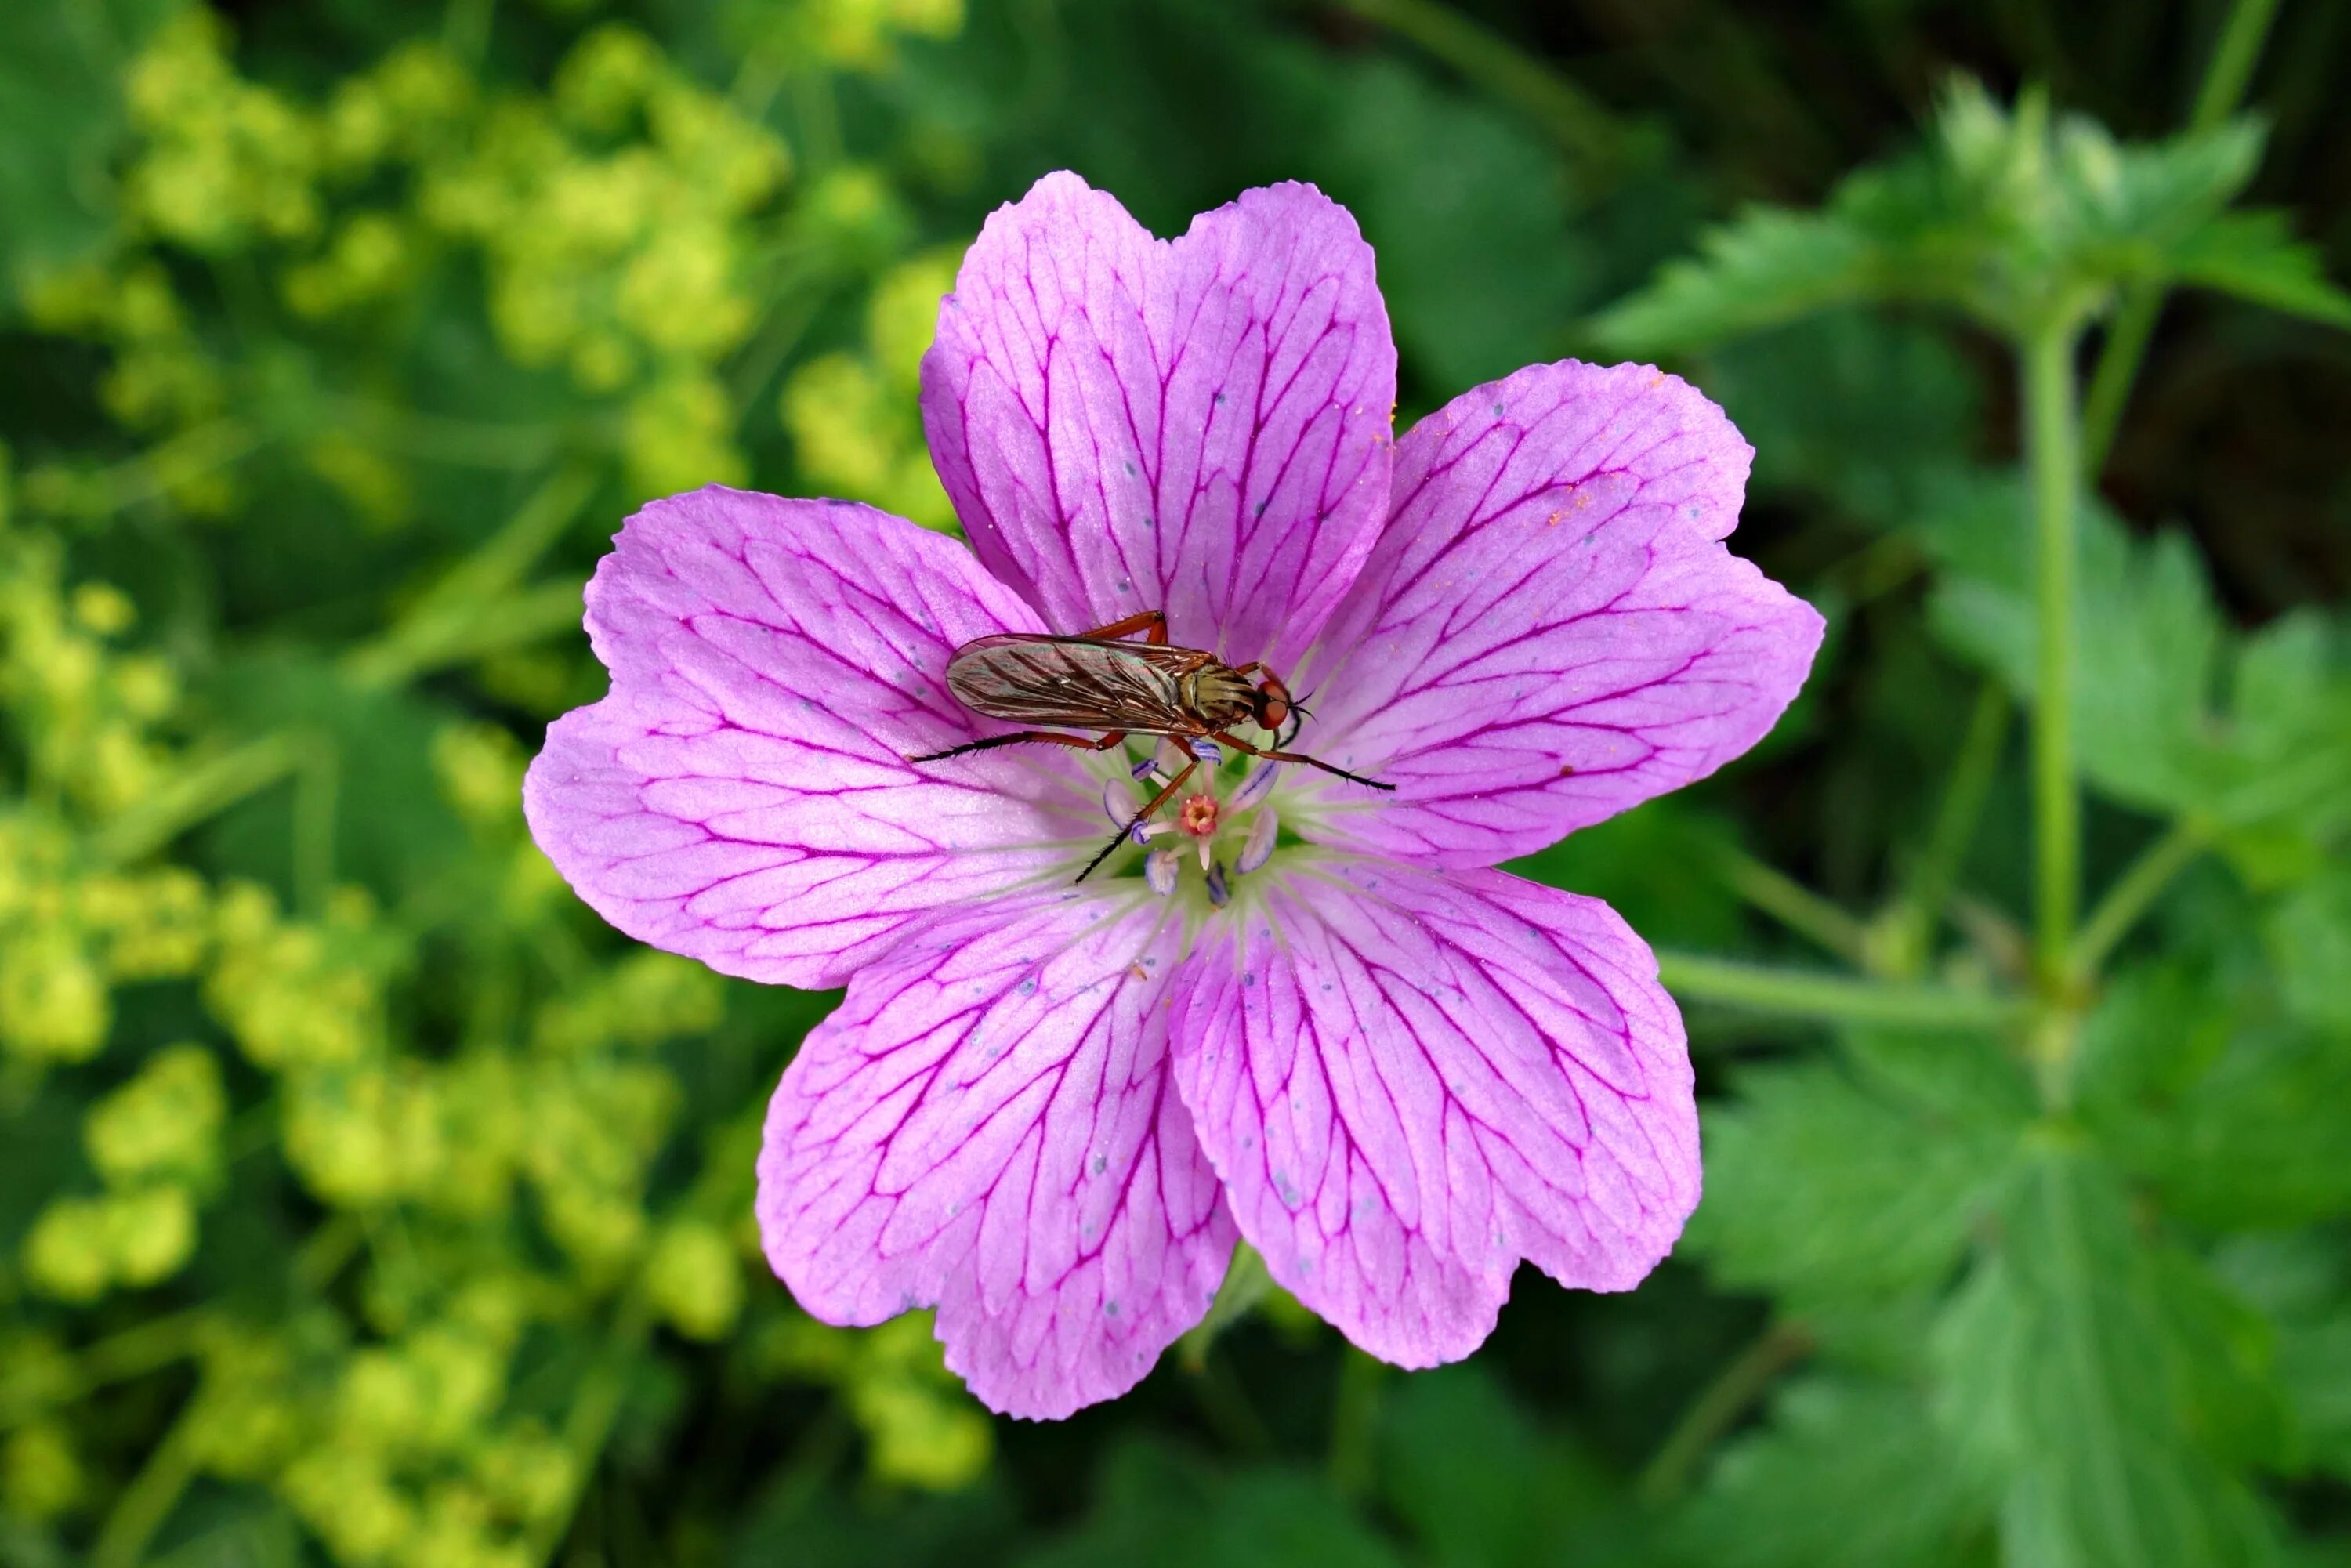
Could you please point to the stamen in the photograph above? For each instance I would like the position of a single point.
(1258, 847)
(1254, 789)
(1207, 751)
(1219, 894)
(1159, 871)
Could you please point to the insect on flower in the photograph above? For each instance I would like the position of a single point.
(1097, 681)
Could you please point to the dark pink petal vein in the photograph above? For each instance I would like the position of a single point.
(741, 797)
(986, 1126)
(1200, 425)
(1551, 631)
(1408, 1082)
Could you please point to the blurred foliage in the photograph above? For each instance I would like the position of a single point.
(368, 1203)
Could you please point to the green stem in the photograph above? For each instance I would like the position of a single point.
(2141, 884)
(2051, 455)
(202, 791)
(133, 1353)
(595, 1406)
(1833, 998)
(1718, 1407)
(2232, 68)
(1928, 885)
(462, 615)
(1584, 128)
(142, 1507)
(1795, 906)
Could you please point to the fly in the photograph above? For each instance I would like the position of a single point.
(1098, 681)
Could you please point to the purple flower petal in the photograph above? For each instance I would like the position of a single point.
(742, 796)
(1200, 426)
(1549, 632)
(986, 1126)
(1426, 1077)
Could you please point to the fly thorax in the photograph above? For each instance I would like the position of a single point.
(1220, 697)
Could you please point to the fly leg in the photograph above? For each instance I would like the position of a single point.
(1132, 822)
(1244, 745)
(1156, 620)
(1019, 737)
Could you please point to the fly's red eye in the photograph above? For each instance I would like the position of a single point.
(1273, 713)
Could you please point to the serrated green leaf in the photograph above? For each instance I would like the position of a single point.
(2233, 1122)
(1847, 1474)
(2152, 657)
(2006, 216)
(2056, 1378)
(2309, 935)
(2255, 256)
(1820, 1190)
(2147, 633)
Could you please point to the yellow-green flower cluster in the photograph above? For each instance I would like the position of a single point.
(86, 707)
(475, 1165)
(628, 221)
(853, 417)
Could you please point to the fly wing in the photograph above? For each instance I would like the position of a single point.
(1075, 681)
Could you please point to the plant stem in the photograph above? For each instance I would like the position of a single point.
(2141, 884)
(142, 1507)
(1796, 906)
(202, 791)
(1718, 1407)
(2051, 452)
(2231, 66)
(1930, 881)
(1833, 998)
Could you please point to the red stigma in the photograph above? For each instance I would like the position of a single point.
(1198, 817)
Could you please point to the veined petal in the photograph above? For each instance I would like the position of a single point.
(1200, 426)
(1550, 630)
(1409, 1081)
(742, 795)
(986, 1126)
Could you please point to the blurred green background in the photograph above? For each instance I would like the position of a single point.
(366, 1201)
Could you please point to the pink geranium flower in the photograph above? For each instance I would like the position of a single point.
(1049, 1109)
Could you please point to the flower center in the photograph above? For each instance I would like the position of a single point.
(1198, 817)
(1234, 832)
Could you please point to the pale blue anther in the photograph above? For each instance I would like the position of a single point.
(1255, 787)
(1207, 751)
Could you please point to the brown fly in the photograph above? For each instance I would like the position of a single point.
(1096, 681)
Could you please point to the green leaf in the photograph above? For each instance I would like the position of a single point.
(2148, 632)
(1847, 1474)
(2309, 939)
(1884, 402)
(2004, 214)
(2153, 658)
(2234, 1123)
(2255, 256)
(1156, 1508)
(2056, 1378)
(1821, 1189)
(1479, 1484)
